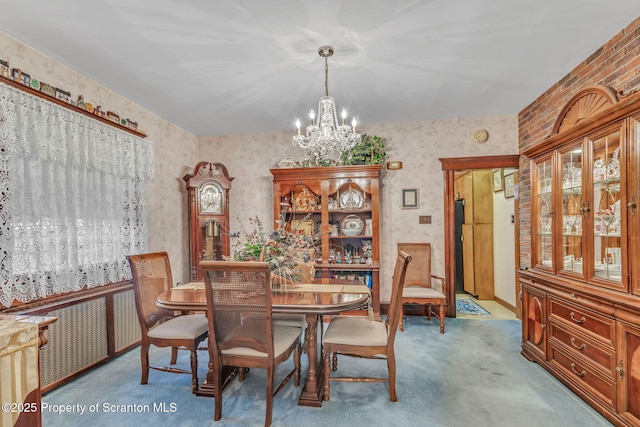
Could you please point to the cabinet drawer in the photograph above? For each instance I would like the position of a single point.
(591, 323)
(578, 343)
(587, 378)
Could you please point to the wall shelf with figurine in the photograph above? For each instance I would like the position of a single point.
(21, 80)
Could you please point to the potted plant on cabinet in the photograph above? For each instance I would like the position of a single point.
(371, 150)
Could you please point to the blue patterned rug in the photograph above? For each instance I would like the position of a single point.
(468, 306)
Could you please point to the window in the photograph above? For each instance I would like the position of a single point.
(74, 198)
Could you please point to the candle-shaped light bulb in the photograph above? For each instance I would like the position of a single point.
(344, 116)
(353, 124)
(312, 116)
(298, 125)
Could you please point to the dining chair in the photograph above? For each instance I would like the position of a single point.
(242, 332)
(306, 271)
(151, 274)
(371, 339)
(420, 286)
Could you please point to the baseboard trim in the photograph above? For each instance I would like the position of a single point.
(505, 304)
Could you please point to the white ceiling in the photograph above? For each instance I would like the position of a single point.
(241, 66)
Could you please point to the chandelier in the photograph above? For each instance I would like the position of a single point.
(326, 136)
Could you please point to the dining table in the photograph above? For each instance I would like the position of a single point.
(314, 300)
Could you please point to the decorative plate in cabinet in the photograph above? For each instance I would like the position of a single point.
(352, 225)
(351, 199)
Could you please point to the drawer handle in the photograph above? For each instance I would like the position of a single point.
(580, 374)
(573, 317)
(578, 347)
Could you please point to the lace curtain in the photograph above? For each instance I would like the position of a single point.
(73, 199)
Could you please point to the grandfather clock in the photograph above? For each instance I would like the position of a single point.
(208, 200)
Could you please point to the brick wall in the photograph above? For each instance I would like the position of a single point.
(616, 64)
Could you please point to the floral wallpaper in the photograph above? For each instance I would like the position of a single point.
(418, 145)
(248, 158)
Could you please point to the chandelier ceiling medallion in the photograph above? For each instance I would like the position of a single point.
(326, 136)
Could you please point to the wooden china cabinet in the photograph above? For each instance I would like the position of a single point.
(340, 206)
(208, 205)
(581, 296)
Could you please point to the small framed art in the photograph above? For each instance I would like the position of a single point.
(509, 185)
(498, 183)
(410, 198)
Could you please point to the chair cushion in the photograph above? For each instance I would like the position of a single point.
(283, 338)
(286, 319)
(188, 326)
(420, 292)
(356, 331)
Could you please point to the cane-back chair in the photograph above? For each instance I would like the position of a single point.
(241, 330)
(160, 327)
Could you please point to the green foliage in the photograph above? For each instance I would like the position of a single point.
(370, 151)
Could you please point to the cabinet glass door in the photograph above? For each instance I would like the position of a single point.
(573, 208)
(542, 228)
(607, 213)
(632, 216)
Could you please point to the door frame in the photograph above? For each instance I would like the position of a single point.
(449, 166)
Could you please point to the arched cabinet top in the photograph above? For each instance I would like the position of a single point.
(587, 103)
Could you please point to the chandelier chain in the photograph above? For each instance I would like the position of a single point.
(326, 77)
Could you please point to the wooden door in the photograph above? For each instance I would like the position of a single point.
(468, 259)
(459, 221)
(483, 260)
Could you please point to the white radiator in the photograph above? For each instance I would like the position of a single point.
(79, 338)
(126, 325)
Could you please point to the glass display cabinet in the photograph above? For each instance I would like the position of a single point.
(576, 200)
(208, 209)
(581, 295)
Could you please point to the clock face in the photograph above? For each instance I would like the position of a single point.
(210, 199)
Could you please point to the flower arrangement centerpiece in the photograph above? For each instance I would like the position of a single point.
(289, 254)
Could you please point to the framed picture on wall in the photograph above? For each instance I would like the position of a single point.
(410, 198)
(498, 183)
(509, 185)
